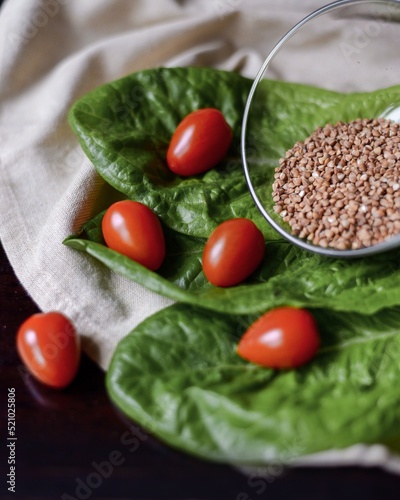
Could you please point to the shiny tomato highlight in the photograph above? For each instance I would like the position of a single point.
(49, 348)
(200, 142)
(233, 251)
(283, 338)
(132, 229)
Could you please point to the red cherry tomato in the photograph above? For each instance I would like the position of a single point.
(285, 337)
(200, 141)
(131, 228)
(50, 349)
(233, 251)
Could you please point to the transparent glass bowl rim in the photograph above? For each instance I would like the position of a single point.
(391, 243)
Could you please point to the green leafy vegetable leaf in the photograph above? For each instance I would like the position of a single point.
(178, 375)
(287, 276)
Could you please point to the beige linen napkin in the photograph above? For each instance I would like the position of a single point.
(54, 51)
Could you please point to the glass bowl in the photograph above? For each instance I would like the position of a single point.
(349, 49)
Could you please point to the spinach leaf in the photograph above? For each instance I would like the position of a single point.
(178, 375)
(287, 276)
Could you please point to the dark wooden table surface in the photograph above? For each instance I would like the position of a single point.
(64, 438)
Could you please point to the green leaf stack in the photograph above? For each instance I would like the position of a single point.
(177, 373)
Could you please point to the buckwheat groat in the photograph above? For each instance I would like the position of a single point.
(340, 188)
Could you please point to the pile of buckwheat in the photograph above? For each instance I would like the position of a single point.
(340, 188)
